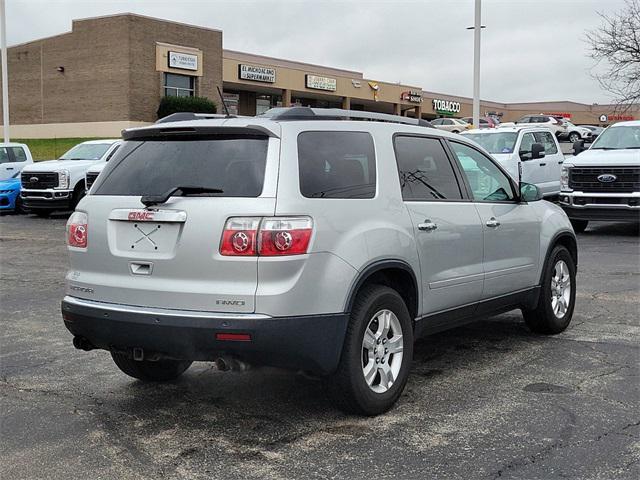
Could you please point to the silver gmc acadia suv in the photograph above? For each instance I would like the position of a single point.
(307, 239)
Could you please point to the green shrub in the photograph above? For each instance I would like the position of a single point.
(169, 105)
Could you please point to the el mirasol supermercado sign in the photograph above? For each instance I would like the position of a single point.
(256, 73)
(446, 106)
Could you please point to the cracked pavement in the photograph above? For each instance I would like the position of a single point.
(485, 401)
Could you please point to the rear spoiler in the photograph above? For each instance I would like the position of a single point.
(164, 131)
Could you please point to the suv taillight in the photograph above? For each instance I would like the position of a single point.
(240, 236)
(269, 236)
(77, 230)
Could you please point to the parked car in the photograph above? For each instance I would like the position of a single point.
(59, 184)
(10, 195)
(575, 133)
(534, 149)
(452, 125)
(603, 182)
(324, 246)
(485, 122)
(13, 158)
(556, 125)
(595, 130)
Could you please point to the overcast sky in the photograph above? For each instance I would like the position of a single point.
(532, 50)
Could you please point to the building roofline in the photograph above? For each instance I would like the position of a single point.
(124, 14)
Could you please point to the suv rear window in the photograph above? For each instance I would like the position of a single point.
(336, 165)
(233, 164)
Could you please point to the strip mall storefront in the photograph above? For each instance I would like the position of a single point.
(110, 73)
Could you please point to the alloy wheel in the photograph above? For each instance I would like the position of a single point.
(382, 351)
(560, 289)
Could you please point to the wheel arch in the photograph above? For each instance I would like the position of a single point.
(568, 240)
(394, 273)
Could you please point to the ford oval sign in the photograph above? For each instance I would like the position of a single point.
(607, 178)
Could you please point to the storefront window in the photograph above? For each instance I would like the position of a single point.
(178, 85)
(265, 102)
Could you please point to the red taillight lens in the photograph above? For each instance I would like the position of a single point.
(271, 236)
(77, 230)
(233, 337)
(240, 236)
(285, 236)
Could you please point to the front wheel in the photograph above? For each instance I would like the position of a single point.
(158, 371)
(377, 352)
(557, 296)
(579, 226)
(574, 137)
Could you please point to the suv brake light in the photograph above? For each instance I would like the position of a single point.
(285, 236)
(240, 236)
(269, 236)
(77, 230)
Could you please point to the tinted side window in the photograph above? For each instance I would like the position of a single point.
(4, 155)
(527, 141)
(487, 181)
(546, 139)
(424, 169)
(336, 165)
(18, 154)
(437, 121)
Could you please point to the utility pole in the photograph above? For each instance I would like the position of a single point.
(5, 76)
(476, 66)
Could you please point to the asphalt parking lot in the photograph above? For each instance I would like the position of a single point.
(489, 400)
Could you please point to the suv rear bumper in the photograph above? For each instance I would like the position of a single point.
(309, 343)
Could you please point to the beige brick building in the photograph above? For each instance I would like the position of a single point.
(110, 73)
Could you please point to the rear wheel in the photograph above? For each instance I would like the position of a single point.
(159, 371)
(574, 137)
(78, 193)
(579, 226)
(557, 297)
(377, 352)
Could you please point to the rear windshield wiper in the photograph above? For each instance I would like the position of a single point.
(149, 200)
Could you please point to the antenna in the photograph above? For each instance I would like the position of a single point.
(226, 110)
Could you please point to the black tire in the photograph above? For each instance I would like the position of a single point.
(19, 208)
(78, 194)
(542, 318)
(42, 213)
(348, 386)
(574, 137)
(159, 371)
(579, 226)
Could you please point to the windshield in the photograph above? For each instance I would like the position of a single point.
(615, 138)
(499, 142)
(86, 151)
(232, 165)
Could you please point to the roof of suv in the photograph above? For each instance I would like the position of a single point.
(513, 129)
(630, 123)
(269, 122)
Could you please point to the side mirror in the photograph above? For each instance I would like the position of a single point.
(529, 193)
(537, 151)
(578, 147)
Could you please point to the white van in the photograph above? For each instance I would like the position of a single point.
(535, 148)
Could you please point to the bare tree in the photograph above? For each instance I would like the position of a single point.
(615, 45)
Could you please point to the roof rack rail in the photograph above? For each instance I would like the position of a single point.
(184, 116)
(308, 113)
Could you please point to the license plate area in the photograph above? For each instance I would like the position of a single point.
(144, 233)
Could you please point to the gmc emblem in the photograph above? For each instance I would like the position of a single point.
(140, 215)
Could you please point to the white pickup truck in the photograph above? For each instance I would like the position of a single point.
(534, 150)
(603, 182)
(59, 184)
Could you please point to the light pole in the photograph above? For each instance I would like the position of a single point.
(476, 65)
(5, 76)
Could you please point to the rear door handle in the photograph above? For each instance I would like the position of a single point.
(492, 223)
(427, 226)
(542, 164)
(9, 168)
